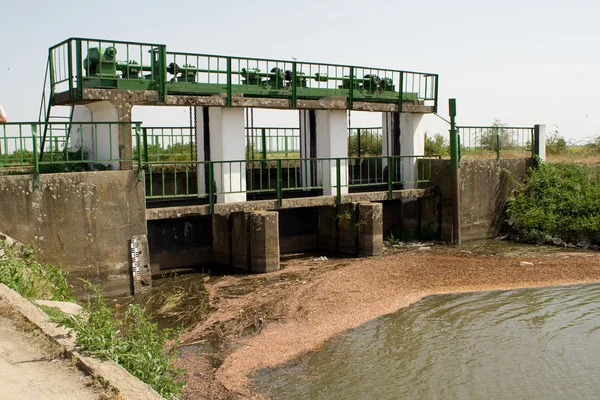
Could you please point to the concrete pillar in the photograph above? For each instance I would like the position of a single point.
(228, 143)
(412, 143)
(405, 137)
(347, 232)
(327, 229)
(370, 229)
(539, 135)
(240, 240)
(102, 141)
(221, 239)
(308, 147)
(264, 241)
(332, 142)
(201, 154)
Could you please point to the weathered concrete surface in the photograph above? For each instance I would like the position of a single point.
(221, 239)
(369, 227)
(264, 241)
(150, 97)
(82, 221)
(179, 242)
(485, 186)
(327, 229)
(269, 205)
(346, 224)
(128, 386)
(240, 240)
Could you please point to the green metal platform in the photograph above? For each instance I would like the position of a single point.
(79, 64)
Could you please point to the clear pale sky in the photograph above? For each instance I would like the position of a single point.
(523, 62)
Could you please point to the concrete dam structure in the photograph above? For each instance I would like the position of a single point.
(115, 201)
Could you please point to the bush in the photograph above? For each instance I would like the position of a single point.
(594, 145)
(436, 146)
(556, 144)
(370, 144)
(558, 201)
(497, 133)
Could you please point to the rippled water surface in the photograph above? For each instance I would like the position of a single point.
(523, 344)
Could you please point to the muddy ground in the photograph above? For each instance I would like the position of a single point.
(265, 320)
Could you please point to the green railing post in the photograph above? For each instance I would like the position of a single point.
(140, 173)
(294, 85)
(455, 174)
(162, 63)
(401, 92)
(36, 161)
(229, 81)
(338, 178)
(263, 138)
(145, 144)
(497, 145)
(390, 177)
(351, 90)
(435, 103)
(70, 67)
(358, 141)
(211, 187)
(79, 66)
(279, 184)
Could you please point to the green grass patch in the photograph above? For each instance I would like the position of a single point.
(131, 340)
(558, 201)
(20, 271)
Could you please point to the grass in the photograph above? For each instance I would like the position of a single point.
(130, 339)
(20, 271)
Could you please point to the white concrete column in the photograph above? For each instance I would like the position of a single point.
(100, 141)
(228, 152)
(332, 142)
(387, 132)
(201, 168)
(412, 143)
(539, 133)
(305, 148)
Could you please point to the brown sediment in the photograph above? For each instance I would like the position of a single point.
(294, 311)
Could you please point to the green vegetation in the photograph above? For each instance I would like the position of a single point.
(558, 201)
(370, 144)
(20, 271)
(130, 339)
(555, 144)
(438, 145)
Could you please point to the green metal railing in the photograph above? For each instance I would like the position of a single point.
(279, 176)
(79, 63)
(501, 141)
(175, 143)
(68, 146)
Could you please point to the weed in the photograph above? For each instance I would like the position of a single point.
(436, 146)
(20, 271)
(556, 144)
(131, 340)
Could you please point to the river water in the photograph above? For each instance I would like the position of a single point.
(523, 344)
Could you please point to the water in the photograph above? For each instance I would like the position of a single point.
(522, 344)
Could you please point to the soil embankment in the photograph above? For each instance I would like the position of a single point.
(266, 320)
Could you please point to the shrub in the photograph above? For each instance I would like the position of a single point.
(370, 144)
(558, 200)
(497, 134)
(594, 145)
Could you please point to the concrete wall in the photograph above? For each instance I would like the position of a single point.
(82, 221)
(485, 186)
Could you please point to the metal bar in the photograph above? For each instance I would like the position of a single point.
(294, 85)
(79, 72)
(211, 187)
(229, 82)
(455, 173)
(351, 91)
(390, 181)
(338, 177)
(279, 184)
(36, 164)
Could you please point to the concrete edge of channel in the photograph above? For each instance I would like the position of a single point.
(115, 376)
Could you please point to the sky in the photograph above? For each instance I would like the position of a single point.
(522, 62)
